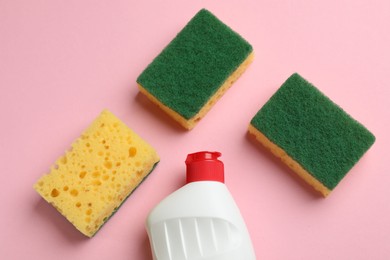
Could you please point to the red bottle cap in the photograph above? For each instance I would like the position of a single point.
(204, 166)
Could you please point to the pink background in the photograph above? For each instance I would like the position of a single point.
(63, 62)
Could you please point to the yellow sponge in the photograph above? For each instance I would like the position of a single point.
(93, 178)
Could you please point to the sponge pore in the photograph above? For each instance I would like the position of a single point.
(311, 134)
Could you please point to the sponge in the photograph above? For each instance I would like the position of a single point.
(311, 134)
(196, 68)
(102, 168)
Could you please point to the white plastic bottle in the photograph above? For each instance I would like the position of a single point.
(201, 219)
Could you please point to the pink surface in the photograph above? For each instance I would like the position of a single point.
(62, 62)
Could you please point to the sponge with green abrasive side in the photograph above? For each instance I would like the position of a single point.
(311, 134)
(195, 69)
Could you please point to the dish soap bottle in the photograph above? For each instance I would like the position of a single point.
(201, 219)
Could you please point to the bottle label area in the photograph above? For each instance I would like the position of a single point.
(194, 237)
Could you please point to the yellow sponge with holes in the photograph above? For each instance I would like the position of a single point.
(102, 168)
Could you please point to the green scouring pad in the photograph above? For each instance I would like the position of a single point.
(195, 69)
(311, 134)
